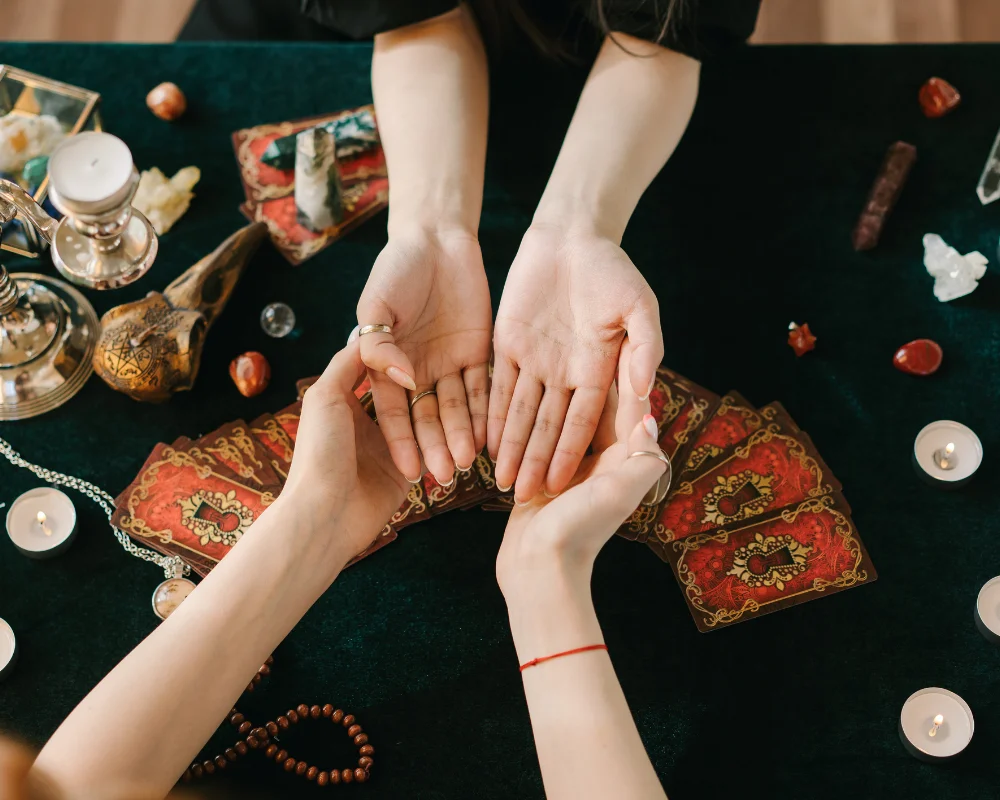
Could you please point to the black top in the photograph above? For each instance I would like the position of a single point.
(701, 29)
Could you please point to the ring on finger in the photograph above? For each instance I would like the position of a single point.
(376, 328)
(659, 490)
(421, 395)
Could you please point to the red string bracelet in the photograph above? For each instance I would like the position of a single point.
(536, 661)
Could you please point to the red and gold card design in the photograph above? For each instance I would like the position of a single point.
(748, 569)
(732, 421)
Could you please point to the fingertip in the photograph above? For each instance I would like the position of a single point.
(397, 376)
(353, 334)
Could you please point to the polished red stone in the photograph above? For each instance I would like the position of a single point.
(919, 357)
(800, 338)
(938, 97)
(251, 373)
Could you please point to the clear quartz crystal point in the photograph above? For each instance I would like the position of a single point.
(277, 320)
(989, 182)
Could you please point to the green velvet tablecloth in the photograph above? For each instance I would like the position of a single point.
(748, 227)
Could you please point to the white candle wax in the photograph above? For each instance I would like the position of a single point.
(988, 606)
(89, 167)
(41, 521)
(934, 438)
(951, 737)
(8, 647)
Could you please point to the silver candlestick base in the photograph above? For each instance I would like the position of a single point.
(48, 329)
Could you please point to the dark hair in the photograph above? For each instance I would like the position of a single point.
(495, 18)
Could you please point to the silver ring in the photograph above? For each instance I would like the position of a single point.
(659, 490)
(419, 395)
(377, 328)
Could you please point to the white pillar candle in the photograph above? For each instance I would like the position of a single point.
(935, 725)
(943, 466)
(89, 167)
(988, 610)
(8, 649)
(41, 522)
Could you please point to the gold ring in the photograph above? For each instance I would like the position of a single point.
(419, 395)
(377, 328)
(659, 490)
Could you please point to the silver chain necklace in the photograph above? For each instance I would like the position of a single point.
(174, 568)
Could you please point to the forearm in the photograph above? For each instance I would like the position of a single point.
(631, 114)
(430, 86)
(587, 742)
(135, 733)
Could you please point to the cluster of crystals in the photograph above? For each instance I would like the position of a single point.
(23, 138)
(954, 275)
(165, 200)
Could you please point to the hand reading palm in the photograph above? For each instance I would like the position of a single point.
(567, 304)
(434, 294)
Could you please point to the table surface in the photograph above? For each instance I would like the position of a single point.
(747, 227)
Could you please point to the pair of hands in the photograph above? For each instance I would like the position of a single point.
(343, 469)
(570, 298)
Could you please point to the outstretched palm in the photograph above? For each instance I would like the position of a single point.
(433, 293)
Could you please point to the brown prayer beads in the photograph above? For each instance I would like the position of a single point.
(255, 738)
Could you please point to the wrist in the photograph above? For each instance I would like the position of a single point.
(572, 216)
(434, 210)
(310, 528)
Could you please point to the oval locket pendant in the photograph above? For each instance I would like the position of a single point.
(170, 594)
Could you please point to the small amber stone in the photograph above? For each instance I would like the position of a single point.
(251, 373)
(272, 728)
(301, 767)
(938, 97)
(323, 778)
(197, 770)
(367, 750)
(348, 720)
(236, 719)
(220, 762)
(241, 748)
(800, 338)
(231, 754)
(302, 709)
(283, 722)
(347, 776)
(292, 715)
(271, 750)
(311, 773)
(360, 775)
(327, 710)
(167, 101)
(354, 730)
(337, 715)
(289, 764)
(260, 733)
(919, 357)
(253, 741)
(281, 755)
(209, 767)
(315, 712)
(245, 726)
(365, 762)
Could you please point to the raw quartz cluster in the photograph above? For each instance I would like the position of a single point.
(165, 200)
(23, 138)
(954, 275)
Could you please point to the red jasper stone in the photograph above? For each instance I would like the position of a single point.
(251, 373)
(800, 338)
(919, 357)
(938, 97)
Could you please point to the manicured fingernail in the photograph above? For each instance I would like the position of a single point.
(649, 391)
(649, 423)
(519, 503)
(464, 470)
(415, 482)
(397, 375)
(550, 496)
(503, 488)
(354, 334)
(449, 483)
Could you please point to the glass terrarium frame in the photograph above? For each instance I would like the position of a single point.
(23, 93)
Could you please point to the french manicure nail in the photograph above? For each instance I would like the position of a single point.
(519, 504)
(649, 391)
(649, 423)
(464, 470)
(414, 482)
(503, 488)
(449, 483)
(354, 334)
(398, 376)
(550, 496)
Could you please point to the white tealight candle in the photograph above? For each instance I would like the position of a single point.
(8, 649)
(89, 167)
(41, 522)
(947, 453)
(988, 610)
(935, 725)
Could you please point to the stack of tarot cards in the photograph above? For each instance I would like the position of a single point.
(754, 520)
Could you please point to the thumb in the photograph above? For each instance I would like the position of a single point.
(379, 351)
(646, 336)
